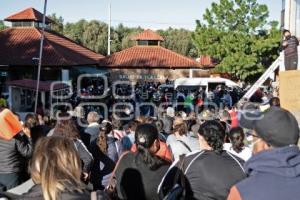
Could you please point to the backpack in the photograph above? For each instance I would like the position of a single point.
(178, 189)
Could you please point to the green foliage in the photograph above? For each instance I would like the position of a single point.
(235, 34)
(2, 26)
(180, 41)
(58, 26)
(94, 35)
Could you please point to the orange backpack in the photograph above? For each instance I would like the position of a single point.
(9, 125)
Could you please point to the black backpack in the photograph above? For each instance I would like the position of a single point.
(178, 189)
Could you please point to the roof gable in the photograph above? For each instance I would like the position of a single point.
(18, 46)
(148, 35)
(148, 56)
(29, 14)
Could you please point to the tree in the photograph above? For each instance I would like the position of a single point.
(2, 26)
(58, 25)
(179, 40)
(235, 34)
(75, 31)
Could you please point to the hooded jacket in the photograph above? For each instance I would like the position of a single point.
(272, 175)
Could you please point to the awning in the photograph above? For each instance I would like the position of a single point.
(45, 86)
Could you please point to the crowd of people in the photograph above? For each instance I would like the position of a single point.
(147, 98)
(228, 153)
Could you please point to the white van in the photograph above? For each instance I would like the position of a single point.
(196, 83)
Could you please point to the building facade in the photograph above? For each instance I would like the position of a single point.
(149, 61)
(290, 16)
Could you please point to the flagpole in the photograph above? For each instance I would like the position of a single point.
(109, 26)
(40, 56)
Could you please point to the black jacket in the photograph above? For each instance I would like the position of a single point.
(12, 151)
(209, 176)
(104, 164)
(36, 193)
(291, 48)
(135, 180)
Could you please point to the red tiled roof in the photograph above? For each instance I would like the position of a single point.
(148, 56)
(19, 45)
(31, 84)
(206, 61)
(29, 14)
(148, 35)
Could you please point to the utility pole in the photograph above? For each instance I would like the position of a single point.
(109, 25)
(40, 56)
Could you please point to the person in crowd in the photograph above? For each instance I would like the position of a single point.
(164, 151)
(210, 95)
(43, 122)
(273, 172)
(56, 170)
(92, 131)
(290, 47)
(167, 120)
(181, 142)
(274, 101)
(225, 119)
(160, 127)
(227, 99)
(118, 131)
(31, 120)
(128, 140)
(138, 174)
(233, 117)
(237, 146)
(180, 100)
(209, 173)
(12, 155)
(67, 128)
(106, 151)
(189, 103)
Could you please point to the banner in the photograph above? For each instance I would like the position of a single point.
(9, 125)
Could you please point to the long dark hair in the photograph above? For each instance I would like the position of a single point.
(237, 136)
(214, 134)
(145, 136)
(66, 128)
(105, 129)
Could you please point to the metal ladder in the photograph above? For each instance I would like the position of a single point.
(277, 63)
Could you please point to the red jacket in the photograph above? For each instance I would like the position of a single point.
(163, 152)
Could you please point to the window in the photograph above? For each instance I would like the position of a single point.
(22, 24)
(153, 43)
(142, 42)
(148, 42)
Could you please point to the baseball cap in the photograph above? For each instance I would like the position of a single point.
(276, 126)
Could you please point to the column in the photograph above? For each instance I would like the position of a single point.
(65, 75)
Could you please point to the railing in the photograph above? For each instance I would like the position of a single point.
(278, 63)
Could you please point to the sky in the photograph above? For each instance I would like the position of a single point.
(153, 14)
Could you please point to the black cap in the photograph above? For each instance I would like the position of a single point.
(276, 126)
